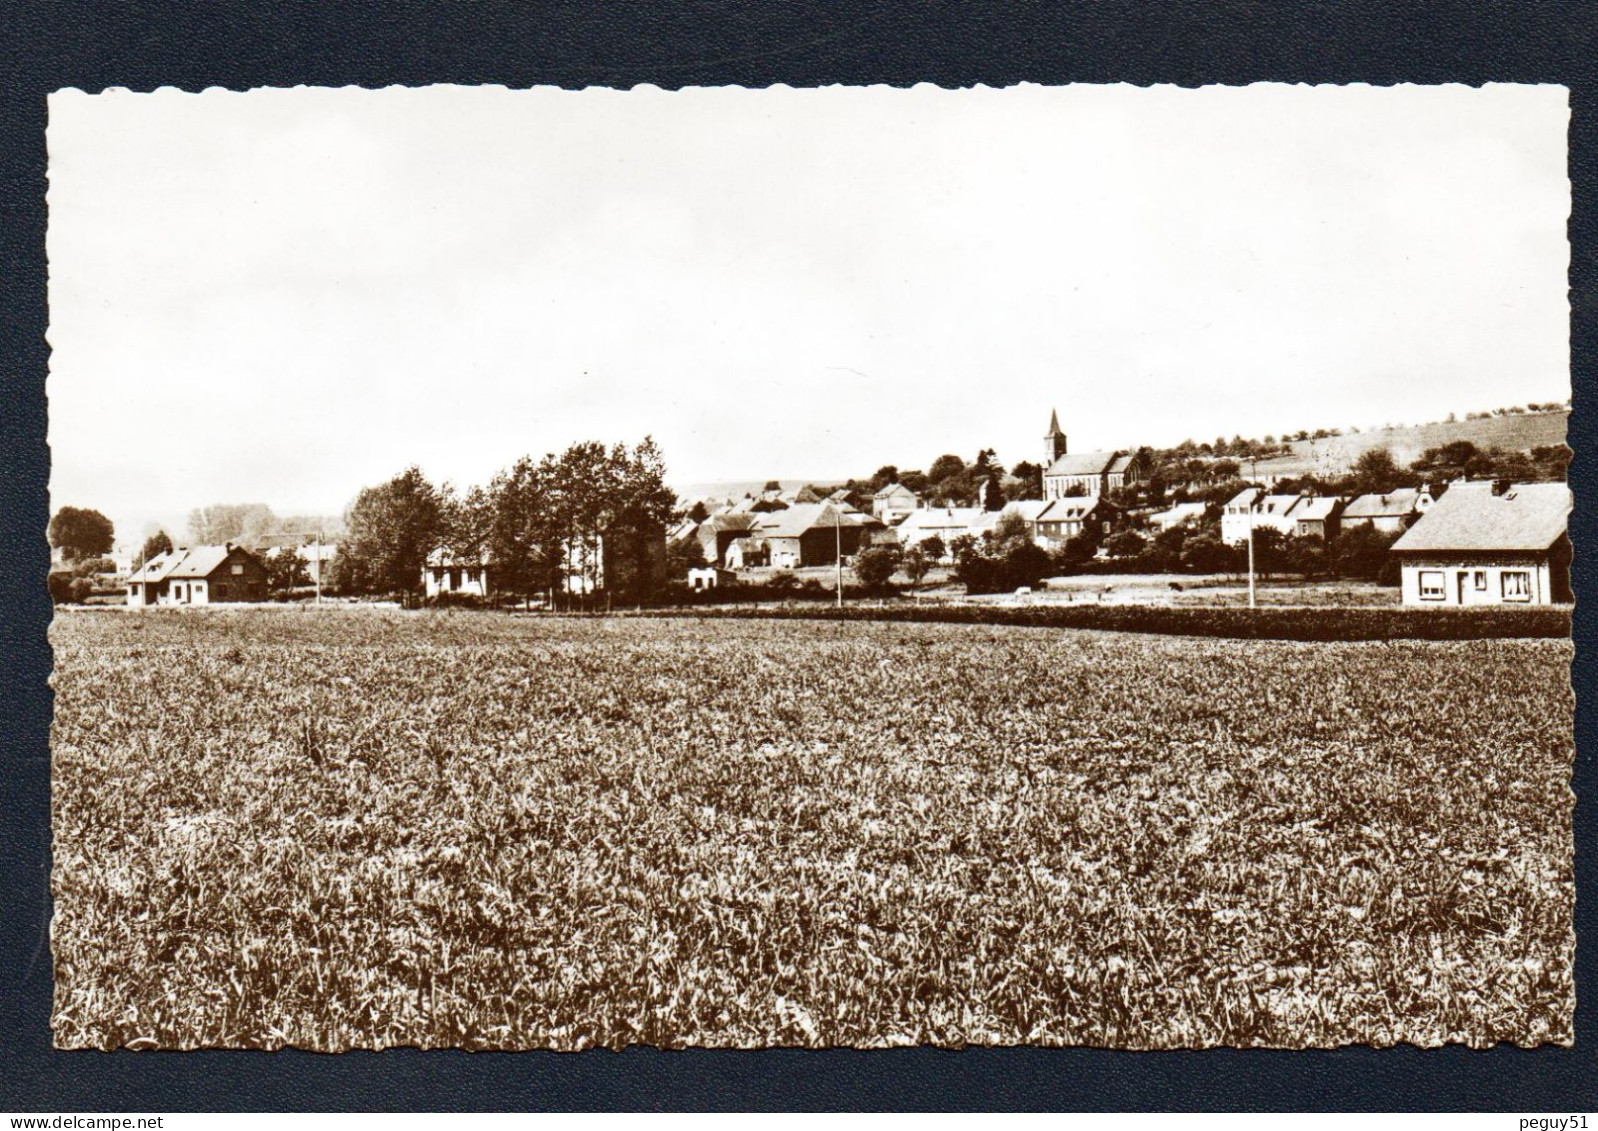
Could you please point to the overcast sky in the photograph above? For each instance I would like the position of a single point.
(284, 295)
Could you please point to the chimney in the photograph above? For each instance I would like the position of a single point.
(1500, 486)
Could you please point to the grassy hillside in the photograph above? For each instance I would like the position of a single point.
(1513, 433)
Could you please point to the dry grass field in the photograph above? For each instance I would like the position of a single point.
(362, 828)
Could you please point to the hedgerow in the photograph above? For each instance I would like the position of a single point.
(1278, 623)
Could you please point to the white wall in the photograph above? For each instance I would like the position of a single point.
(1492, 575)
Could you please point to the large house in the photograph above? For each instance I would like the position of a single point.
(1303, 516)
(201, 575)
(894, 503)
(1067, 518)
(1180, 514)
(1489, 543)
(1067, 475)
(1392, 511)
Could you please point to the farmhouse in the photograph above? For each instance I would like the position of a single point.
(1391, 511)
(1489, 543)
(1084, 473)
(445, 573)
(1064, 519)
(202, 575)
(808, 534)
(894, 503)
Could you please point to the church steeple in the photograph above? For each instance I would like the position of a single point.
(1054, 441)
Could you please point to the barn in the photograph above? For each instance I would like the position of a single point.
(201, 575)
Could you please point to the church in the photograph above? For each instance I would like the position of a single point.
(1084, 473)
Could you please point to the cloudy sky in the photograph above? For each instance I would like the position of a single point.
(284, 295)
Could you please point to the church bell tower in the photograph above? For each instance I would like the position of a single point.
(1054, 442)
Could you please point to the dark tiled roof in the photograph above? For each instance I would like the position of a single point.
(1527, 516)
(1085, 463)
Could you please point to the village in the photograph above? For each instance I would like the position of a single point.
(1111, 525)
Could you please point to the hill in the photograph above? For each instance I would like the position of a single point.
(1335, 455)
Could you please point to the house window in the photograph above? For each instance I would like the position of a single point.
(238, 568)
(1481, 580)
(1431, 585)
(1517, 585)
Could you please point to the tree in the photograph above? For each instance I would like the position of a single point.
(916, 563)
(886, 474)
(157, 543)
(1124, 544)
(391, 529)
(81, 533)
(1205, 553)
(773, 485)
(1361, 552)
(1028, 481)
(1377, 470)
(285, 570)
(683, 555)
(933, 546)
(945, 467)
(874, 565)
(697, 512)
(245, 523)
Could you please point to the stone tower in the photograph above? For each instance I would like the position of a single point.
(1054, 442)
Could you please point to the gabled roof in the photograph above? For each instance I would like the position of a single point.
(895, 491)
(197, 562)
(797, 519)
(1179, 513)
(1084, 463)
(1391, 504)
(718, 523)
(1054, 423)
(447, 558)
(937, 520)
(1028, 509)
(1122, 462)
(1526, 517)
(1314, 508)
(1071, 509)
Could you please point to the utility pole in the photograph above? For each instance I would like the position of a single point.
(1251, 555)
(837, 533)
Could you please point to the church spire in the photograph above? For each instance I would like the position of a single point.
(1054, 441)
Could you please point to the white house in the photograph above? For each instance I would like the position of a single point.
(201, 575)
(894, 503)
(444, 573)
(943, 523)
(1305, 516)
(1489, 543)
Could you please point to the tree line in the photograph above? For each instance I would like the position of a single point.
(587, 519)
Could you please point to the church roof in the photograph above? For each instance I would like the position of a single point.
(1086, 463)
(1054, 423)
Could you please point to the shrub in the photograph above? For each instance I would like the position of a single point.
(87, 567)
(875, 565)
(68, 589)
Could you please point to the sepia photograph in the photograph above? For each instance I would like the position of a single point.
(849, 566)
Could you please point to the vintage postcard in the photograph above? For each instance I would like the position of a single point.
(544, 569)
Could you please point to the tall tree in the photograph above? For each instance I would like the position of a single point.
(157, 543)
(81, 533)
(391, 529)
(250, 523)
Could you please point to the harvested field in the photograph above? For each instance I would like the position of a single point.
(350, 827)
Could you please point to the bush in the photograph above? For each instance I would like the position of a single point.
(455, 601)
(87, 567)
(875, 565)
(68, 589)
(1548, 621)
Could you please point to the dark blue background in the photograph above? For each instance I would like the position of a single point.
(45, 46)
